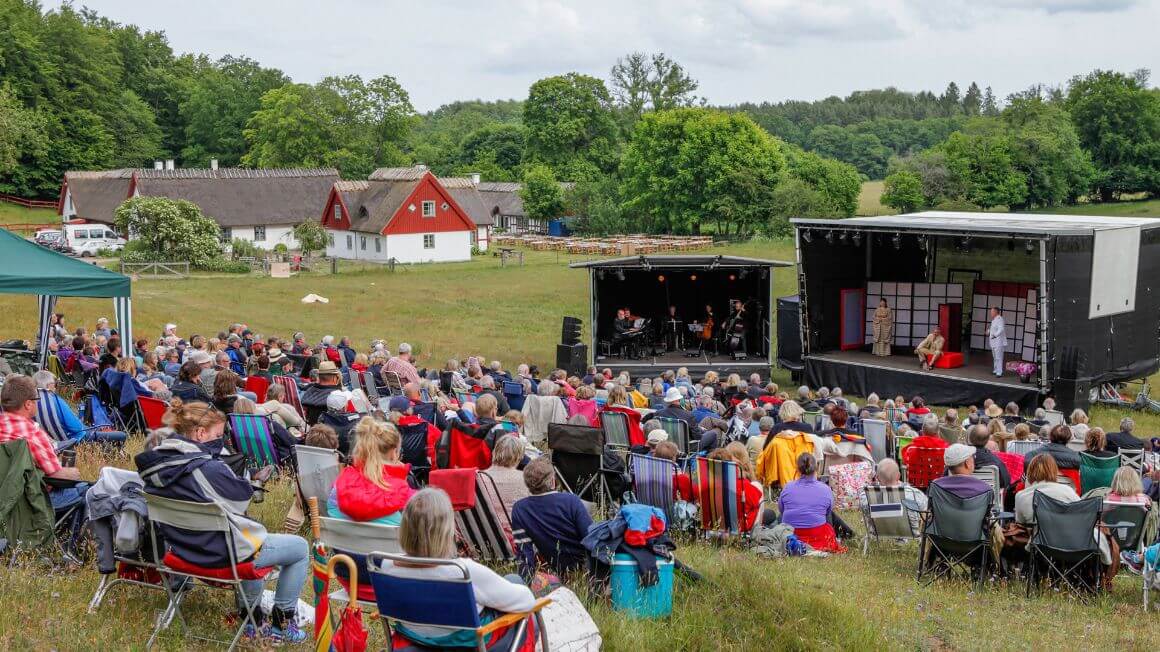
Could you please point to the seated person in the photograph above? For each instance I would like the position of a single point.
(283, 441)
(1124, 439)
(960, 463)
(509, 480)
(475, 441)
(807, 505)
(1056, 447)
(74, 430)
(790, 416)
(756, 443)
(18, 399)
(928, 438)
(339, 417)
(673, 410)
(887, 474)
(185, 466)
(618, 401)
(1011, 416)
(314, 396)
(188, 385)
(280, 411)
(872, 409)
(930, 349)
(428, 530)
(979, 437)
(682, 483)
(749, 487)
(584, 403)
(549, 525)
(374, 487)
(839, 417)
(225, 390)
(1094, 443)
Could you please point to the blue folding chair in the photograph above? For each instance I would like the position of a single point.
(406, 602)
(652, 482)
(514, 393)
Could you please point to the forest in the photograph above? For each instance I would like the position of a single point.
(79, 91)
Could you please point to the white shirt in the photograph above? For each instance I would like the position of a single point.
(998, 332)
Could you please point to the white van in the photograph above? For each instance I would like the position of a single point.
(88, 239)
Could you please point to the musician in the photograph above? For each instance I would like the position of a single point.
(622, 325)
(734, 332)
(672, 329)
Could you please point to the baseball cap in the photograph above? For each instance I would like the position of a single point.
(337, 401)
(399, 404)
(956, 454)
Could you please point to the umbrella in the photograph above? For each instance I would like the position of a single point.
(351, 634)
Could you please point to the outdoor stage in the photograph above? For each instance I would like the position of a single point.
(859, 373)
(653, 365)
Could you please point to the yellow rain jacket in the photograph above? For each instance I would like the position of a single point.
(777, 464)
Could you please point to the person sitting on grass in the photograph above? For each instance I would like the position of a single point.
(548, 524)
(807, 506)
(428, 531)
(374, 487)
(185, 466)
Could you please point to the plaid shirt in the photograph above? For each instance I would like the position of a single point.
(14, 426)
(405, 369)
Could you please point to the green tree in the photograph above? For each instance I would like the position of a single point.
(311, 237)
(541, 193)
(837, 183)
(989, 107)
(643, 82)
(903, 191)
(170, 229)
(986, 165)
(498, 144)
(570, 124)
(596, 205)
(1046, 149)
(18, 128)
(293, 127)
(1118, 122)
(951, 100)
(973, 100)
(221, 98)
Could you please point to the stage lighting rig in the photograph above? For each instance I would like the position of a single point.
(1030, 246)
(857, 237)
(829, 237)
(807, 235)
(897, 240)
(620, 275)
(843, 237)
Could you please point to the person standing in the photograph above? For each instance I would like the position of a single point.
(997, 339)
(883, 328)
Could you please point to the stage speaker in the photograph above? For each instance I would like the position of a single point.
(789, 341)
(571, 332)
(1071, 394)
(572, 358)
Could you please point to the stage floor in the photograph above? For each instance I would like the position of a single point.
(977, 369)
(672, 360)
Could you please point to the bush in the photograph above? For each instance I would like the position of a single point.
(240, 248)
(281, 248)
(225, 266)
(476, 251)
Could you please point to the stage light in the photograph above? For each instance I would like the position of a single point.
(1030, 246)
(743, 273)
(599, 275)
(693, 277)
(830, 237)
(661, 278)
(620, 274)
(965, 244)
(732, 277)
(857, 239)
(807, 235)
(897, 240)
(843, 237)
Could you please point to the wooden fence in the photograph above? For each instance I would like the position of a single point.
(27, 203)
(156, 269)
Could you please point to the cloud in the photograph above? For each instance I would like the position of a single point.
(784, 22)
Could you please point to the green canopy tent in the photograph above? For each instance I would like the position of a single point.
(27, 268)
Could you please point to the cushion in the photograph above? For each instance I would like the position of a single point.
(246, 571)
(949, 360)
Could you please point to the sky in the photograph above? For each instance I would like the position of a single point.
(739, 50)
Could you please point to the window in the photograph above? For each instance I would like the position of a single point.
(350, 242)
(330, 239)
(81, 234)
(110, 235)
(378, 245)
(337, 213)
(429, 241)
(259, 234)
(362, 242)
(428, 209)
(227, 234)
(474, 237)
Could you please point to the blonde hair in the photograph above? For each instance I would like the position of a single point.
(428, 525)
(360, 358)
(374, 442)
(486, 405)
(184, 418)
(710, 378)
(1078, 416)
(1022, 431)
(790, 411)
(740, 454)
(585, 392)
(508, 452)
(617, 396)
(1126, 482)
(243, 405)
(128, 365)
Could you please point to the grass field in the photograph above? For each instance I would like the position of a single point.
(13, 214)
(869, 200)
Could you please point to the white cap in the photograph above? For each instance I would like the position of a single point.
(672, 395)
(169, 327)
(337, 401)
(657, 436)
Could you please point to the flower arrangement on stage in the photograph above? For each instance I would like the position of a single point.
(1026, 371)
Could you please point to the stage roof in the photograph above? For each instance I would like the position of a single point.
(701, 261)
(986, 223)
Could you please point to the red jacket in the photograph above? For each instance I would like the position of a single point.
(635, 433)
(921, 441)
(362, 500)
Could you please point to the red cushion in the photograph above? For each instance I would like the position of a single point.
(949, 360)
(246, 571)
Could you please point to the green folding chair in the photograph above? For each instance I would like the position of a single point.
(1096, 472)
(253, 437)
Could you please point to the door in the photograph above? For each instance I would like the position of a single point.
(852, 318)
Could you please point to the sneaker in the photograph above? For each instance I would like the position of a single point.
(251, 633)
(288, 633)
(1132, 561)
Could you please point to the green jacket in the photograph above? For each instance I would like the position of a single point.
(26, 516)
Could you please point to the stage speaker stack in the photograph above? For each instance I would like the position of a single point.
(1073, 388)
(789, 339)
(571, 355)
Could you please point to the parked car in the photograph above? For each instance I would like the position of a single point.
(88, 239)
(46, 237)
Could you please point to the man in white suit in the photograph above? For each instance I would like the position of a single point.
(997, 339)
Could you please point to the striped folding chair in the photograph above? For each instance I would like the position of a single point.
(479, 525)
(369, 385)
(615, 426)
(253, 437)
(718, 497)
(354, 378)
(394, 382)
(292, 397)
(652, 482)
(678, 432)
(51, 420)
(885, 516)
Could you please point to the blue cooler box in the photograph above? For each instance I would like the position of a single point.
(628, 596)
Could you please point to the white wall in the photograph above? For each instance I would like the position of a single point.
(482, 237)
(282, 234)
(407, 248)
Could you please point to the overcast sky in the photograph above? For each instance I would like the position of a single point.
(740, 50)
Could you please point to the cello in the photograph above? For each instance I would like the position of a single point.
(707, 332)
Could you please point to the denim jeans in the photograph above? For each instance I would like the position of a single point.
(62, 497)
(250, 395)
(113, 436)
(291, 555)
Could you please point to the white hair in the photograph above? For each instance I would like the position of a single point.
(328, 340)
(44, 378)
(404, 347)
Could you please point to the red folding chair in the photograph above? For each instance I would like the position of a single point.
(153, 410)
(258, 385)
(291, 393)
(926, 465)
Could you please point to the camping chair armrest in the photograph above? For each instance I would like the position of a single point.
(513, 618)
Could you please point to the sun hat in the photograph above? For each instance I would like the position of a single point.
(201, 357)
(328, 368)
(657, 436)
(275, 354)
(673, 395)
(994, 411)
(956, 454)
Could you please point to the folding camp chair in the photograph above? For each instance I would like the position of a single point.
(898, 443)
(886, 516)
(1023, 447)
(950, 434)
(49, 416)
(318, 468)
(200, 517)
(1063, 547)
(258, 385)
(721, 505)
(1096, 472)
(372, 387)
(479, 525)
(989, 473)
(926, 465)
(578, 455)
(357, 541)
(615, 427)
(678, 432)
(814, 419)
(514, 393)
(445, 602)
(292, 397)
(956, 538)
(253, 436)
(1054, 418)
(394, 382)
(353, 379)
(1125, 523)
(152, 411)
(652, 482)
(1133, 458)
(876, 432)
(413, 449)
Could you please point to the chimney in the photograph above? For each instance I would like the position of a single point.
(422, 167)
(158, 165)
(213, 164)
(169, 164)
(474, 178)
